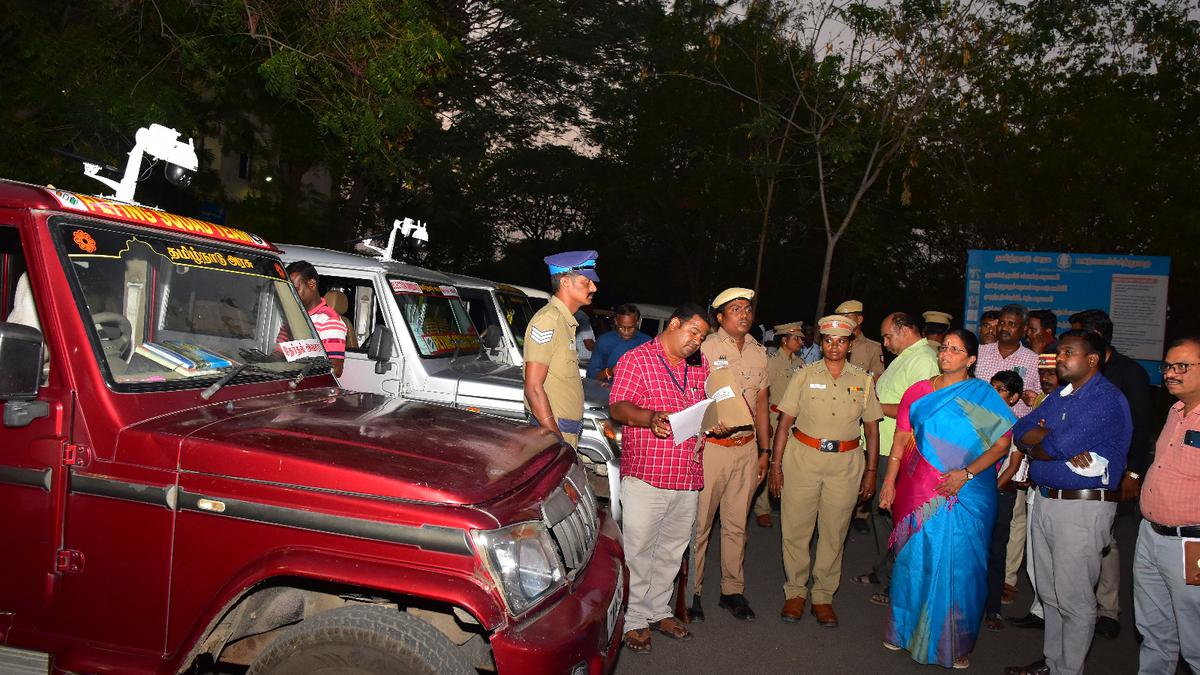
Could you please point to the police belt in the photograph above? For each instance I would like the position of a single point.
(732, 441)
(1095, 495)
(564, 425)
(823, 444)
(1190, 531)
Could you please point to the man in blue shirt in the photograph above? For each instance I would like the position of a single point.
(612, 345)
(1076, 440)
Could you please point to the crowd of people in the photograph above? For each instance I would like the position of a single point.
(988, 451)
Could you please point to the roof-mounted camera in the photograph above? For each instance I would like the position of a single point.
(160, 143)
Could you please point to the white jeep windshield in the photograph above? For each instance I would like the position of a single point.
(169, 311)
(435, 317)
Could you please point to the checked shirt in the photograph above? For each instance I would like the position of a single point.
(643, 377)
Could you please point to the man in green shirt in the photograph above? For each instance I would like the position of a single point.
(916, 360)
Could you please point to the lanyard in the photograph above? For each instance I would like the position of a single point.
(682, 387)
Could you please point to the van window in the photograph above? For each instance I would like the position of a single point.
(436, 318)
(17, 303)
(517, 313)
(355, 301)
(169, 312)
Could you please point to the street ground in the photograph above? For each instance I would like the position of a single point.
(723, 644)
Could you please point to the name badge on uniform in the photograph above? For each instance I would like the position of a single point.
(721, 362)
(571, 345)
(815, 385)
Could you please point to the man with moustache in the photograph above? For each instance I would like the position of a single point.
(818, 470)
(988, 323)
(1007, 353)
(659, 480)
(1166, 566)
(1076, 441)
(733, 465)
(1039, 332)
(553, 388)
(1133, 381)
(611, 346)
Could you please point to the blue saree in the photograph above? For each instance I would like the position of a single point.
(939, 583)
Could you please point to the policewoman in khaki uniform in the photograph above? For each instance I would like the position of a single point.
(736, 464)
(780, 368)
(818, 469)
(553, 387)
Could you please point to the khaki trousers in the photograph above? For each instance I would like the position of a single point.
(1016, 541)
(656, 528)
(729, 475)
(762, 502)
(820, 490)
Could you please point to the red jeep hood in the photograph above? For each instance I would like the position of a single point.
(365, 444)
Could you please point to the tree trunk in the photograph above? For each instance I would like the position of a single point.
(762, 240)
(830, 244)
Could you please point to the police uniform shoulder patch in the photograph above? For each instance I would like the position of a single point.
(541, 336)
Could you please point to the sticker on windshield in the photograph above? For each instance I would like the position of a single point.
(449, 291)
(298, 349)
(402, 286)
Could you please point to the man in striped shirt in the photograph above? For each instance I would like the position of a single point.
(330, 327)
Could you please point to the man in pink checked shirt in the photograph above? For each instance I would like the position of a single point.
(660, 481)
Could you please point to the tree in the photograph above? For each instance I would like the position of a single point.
(860, 80)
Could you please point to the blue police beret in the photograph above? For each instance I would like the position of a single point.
(581, 262)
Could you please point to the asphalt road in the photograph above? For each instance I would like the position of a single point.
(723, 644)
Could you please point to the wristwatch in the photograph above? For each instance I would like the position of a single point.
(763, 451)
(1134, 475)
(969, 474)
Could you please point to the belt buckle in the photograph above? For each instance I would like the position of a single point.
(828, 445)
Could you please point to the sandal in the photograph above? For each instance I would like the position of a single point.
(866, 579)
(993, 623)
(671, 627)
(891, 647)
(962, 663)
(638, 641)
(881, 599)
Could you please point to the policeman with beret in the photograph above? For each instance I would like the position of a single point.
(734, 465)
(553, 387)
(864, 352)
(780, 368)
(936, 325)
(818, 470)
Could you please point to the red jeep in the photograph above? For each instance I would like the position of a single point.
(183, 484)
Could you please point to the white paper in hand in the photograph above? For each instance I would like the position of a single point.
(685, 424)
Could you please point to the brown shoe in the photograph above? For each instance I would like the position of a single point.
(671, 627)
(1008, 594)
(638, 641)
(825, 615)
(764, 520)
(793, 609)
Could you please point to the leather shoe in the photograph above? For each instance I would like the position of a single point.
(764, 520)
(825, 615)
(793, 609)
(1109, 628)
(695, 612)
(1027, 621)
(1038, 667)
(737, 606)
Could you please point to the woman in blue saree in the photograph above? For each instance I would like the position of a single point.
(951, 430)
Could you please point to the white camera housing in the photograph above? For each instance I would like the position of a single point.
(160, 143)
(412, 229)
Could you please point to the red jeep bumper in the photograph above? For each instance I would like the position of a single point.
(574, 628)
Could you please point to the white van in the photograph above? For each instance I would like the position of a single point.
(416, 340)
(654, 317)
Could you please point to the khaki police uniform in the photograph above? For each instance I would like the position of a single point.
(550, 340)
(780, 369)
(730, 465)
(867, 354)
(821, 488)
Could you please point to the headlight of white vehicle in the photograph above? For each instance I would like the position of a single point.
(523, 560)
(611, 432)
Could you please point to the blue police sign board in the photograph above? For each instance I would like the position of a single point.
(1131, 288)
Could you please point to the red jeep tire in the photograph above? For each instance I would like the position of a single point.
(361, 639)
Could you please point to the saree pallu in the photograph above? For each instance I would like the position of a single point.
(939, 583)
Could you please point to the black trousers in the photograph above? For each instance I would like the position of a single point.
(998, 551)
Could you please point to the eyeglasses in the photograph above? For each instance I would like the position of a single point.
(952, 350)
(1178, 368)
